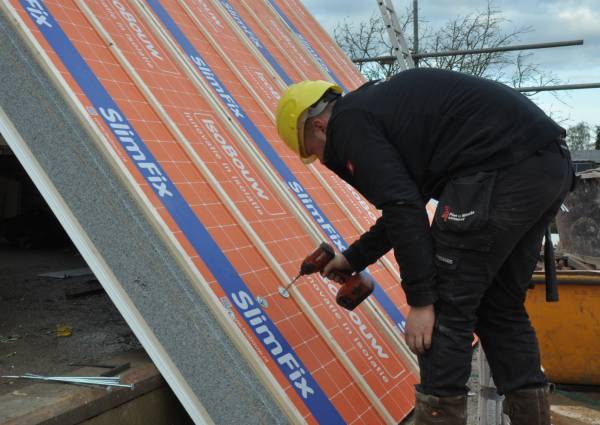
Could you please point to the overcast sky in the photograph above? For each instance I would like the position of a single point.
(550, 20)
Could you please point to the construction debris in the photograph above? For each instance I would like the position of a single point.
(107, 381)
(579, 228)
(9, 338)
(64, 330)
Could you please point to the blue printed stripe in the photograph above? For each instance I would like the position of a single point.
(309, 204)
(272, 340)
(307, 45)
(256, 41)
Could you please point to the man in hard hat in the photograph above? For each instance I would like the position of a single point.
(500, 170)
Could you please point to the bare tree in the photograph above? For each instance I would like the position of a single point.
(597, 144)
(474, 31)
(366, 40)
(579, 137)
(482, 29)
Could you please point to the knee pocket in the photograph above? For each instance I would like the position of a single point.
(462, 271)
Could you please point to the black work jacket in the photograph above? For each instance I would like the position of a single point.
(399, 141)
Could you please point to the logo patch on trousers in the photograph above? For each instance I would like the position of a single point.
(449, 215)
(446, 260)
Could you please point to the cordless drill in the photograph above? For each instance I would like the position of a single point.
(355, 287)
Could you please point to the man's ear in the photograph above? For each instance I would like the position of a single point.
(319, 125)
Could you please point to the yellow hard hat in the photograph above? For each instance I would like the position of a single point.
(292, 112)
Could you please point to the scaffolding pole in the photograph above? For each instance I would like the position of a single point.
(560, 87)
(388, 59)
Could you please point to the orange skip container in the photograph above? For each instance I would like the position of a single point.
(569, 330)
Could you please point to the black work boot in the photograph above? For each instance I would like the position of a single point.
(431, 410)
(528, 406)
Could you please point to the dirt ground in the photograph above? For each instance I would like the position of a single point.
(33, 307)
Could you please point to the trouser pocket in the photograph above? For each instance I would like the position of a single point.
(461, 260)
(464, 205)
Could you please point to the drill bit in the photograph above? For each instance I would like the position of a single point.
(283, 290)
(314, 262)
(292, 282)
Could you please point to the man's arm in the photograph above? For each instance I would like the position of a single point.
(407, 225)
(372, 245)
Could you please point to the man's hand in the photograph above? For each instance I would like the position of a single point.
(337, 264)
(419, 327)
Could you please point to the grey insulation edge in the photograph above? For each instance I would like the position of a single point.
(143, 277)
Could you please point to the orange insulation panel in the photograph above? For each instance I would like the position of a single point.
(183, 94)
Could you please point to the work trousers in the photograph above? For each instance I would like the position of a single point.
(483, 276)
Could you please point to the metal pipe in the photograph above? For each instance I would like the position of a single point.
(416, 32)
(476, 51)
(381, 59)
(560, 87)
(502, 49)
